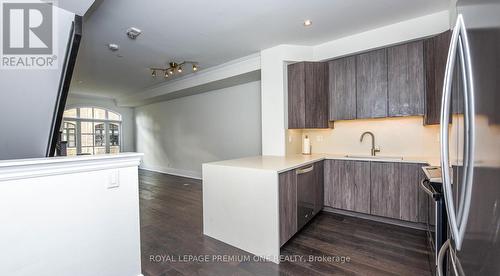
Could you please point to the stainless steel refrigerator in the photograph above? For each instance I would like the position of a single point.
(471, 143)
(32, 101)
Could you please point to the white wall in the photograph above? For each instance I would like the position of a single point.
(177, 136)
(274, 60)
(128, 135)
(58, 216)
(274, 102)
(30, 96)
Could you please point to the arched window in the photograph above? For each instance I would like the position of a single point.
(91, 130)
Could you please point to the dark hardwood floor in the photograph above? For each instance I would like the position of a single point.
(171, 232)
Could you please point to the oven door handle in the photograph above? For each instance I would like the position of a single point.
(428, 190)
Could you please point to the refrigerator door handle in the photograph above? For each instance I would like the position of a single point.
(440, 257)
(470, 134)
(459, 41)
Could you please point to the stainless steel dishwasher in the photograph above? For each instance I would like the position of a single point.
(306, 197)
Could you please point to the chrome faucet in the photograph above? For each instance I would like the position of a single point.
(374, 149)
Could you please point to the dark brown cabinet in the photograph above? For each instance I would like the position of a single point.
(406, 79)
(333, 187)
(435, 57)
(342, 88)
(307, 95)
(347, 185)
(385, 189)
(401, 80)
(319, 186)
(371, 84)
(412, 199)
(287, 205)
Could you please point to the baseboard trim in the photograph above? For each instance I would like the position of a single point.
(172, 171)
(413, 225)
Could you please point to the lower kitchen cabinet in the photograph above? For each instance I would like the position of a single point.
(385, 189)
(347, 185)
(412, 200)
(287, 205)
(319, 186)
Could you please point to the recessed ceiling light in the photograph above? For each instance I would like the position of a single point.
(307, 22)
(113, 47)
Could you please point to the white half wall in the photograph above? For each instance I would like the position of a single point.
(177, 136)
(128, 138)
(274, 73)
(70, 216)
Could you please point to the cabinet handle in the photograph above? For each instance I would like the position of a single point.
(305, 170)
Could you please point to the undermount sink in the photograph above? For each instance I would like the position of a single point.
(378, 157)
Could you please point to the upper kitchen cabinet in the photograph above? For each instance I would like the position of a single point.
(371, 86)
(435, 57)
(406, 79)
(342, 88)
(308, 95)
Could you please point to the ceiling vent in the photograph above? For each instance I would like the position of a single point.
(133, 32)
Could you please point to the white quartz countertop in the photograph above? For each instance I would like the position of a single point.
(289, 162)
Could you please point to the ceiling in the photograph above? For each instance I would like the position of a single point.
(214, 32)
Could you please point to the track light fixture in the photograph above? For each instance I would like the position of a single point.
(174, 67)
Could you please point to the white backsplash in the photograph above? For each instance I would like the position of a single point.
(405, 136)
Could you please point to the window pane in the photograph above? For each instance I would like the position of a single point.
(70, 113)
(114, 134)
(114, 116)
(69, 133)
(99, 114)
(87, 140)
(100, 137)
(86, 112)
(87, 127)
(91, 132)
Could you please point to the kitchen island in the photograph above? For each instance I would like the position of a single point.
(247, 202)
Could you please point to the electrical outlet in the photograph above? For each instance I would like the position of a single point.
(114, 179)
(289, 139)
(319, 138)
